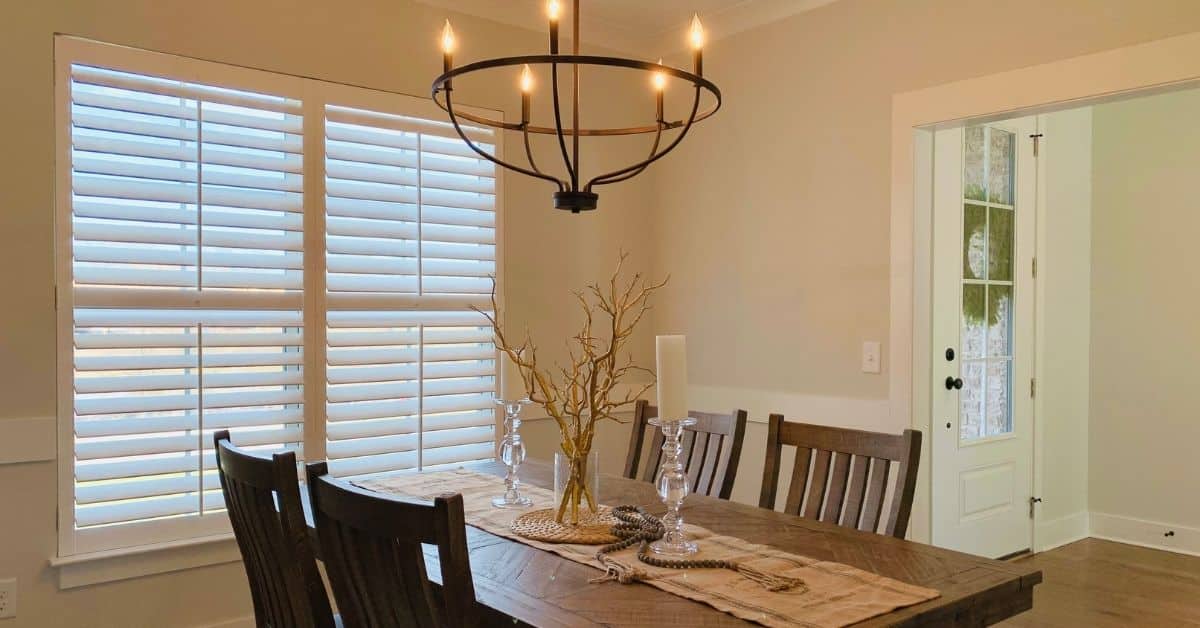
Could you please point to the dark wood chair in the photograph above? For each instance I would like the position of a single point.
(284, 582)
(712, 449)
(371, 545)
(841, 475)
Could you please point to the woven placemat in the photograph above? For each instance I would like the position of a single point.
(539, 525)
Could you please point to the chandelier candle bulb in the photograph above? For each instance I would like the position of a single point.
(660, 85)
(553, 10)
(671, 364)
(697, 39)
(526, 89)
(447, 49)
(512, 385)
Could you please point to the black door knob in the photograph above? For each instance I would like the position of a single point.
(954, 383)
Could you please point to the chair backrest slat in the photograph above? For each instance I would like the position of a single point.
(711, 449)
(708, 468)
(881, 468)
(262, 497)
(795, 496)
(841, 476)
(816, 489)
(859, 469)
(837, 486)
(372, 544)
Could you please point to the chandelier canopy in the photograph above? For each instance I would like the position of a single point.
(575, 192)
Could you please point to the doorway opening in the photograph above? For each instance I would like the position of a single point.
(1058, 344)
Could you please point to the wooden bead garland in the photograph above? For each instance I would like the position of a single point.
(635, 525)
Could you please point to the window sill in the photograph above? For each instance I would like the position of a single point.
(82, 570)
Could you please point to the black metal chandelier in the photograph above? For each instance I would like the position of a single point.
(574, 192)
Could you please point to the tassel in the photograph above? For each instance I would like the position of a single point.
(619, 572)
(771, 582)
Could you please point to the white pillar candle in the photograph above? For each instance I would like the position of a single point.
(671, 360)
(512, 387)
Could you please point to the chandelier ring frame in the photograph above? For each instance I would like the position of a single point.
(440, 87)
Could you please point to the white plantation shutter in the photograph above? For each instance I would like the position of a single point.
(181, 187)
(150, 388)
(411, 237)
(244, 250)
(186, 272)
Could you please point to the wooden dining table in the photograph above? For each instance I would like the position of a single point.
(516, 584)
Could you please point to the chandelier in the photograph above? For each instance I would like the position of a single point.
(575, 193)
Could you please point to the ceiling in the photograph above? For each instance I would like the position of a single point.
(643, 27)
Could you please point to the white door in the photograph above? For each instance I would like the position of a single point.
(985, 189)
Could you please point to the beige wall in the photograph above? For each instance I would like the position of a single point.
(380, 44)
(773, 219)
(1144, 335)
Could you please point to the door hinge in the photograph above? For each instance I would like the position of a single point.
(1037, 142)
(1035, 268)
(1033, 501)
(1032, 386)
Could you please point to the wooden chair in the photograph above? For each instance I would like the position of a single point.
(284, 582)
(712, 449)
(853, 464)
(371, 545)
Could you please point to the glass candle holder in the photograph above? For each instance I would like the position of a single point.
(673, 488)
(512, 454)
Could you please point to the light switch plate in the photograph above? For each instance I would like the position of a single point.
(8, 598)
(871, 362)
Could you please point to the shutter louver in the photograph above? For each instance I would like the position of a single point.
(410, 215)
(180, 189)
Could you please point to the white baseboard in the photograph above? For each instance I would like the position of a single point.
(28, 440)
(1061, 531)
(1152, 534)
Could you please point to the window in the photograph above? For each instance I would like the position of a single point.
(290, 260)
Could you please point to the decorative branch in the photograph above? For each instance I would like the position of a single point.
(580, 394)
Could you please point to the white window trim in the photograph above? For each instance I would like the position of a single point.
(209, 541)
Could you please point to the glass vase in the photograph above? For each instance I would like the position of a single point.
(576, 486)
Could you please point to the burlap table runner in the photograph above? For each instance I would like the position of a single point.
(837, 595)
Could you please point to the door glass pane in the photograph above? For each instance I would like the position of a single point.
(973, 155)
(999, 411)
(1000, 243)
(971, 397)
(999, 330)
(999, 166)
(974, 312)
(974, 242)
(986, 324)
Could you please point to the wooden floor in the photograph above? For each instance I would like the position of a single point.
(1099, 584)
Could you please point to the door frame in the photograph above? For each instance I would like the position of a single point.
(1153, 67)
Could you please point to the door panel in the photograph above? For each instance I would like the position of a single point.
(983, 239)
